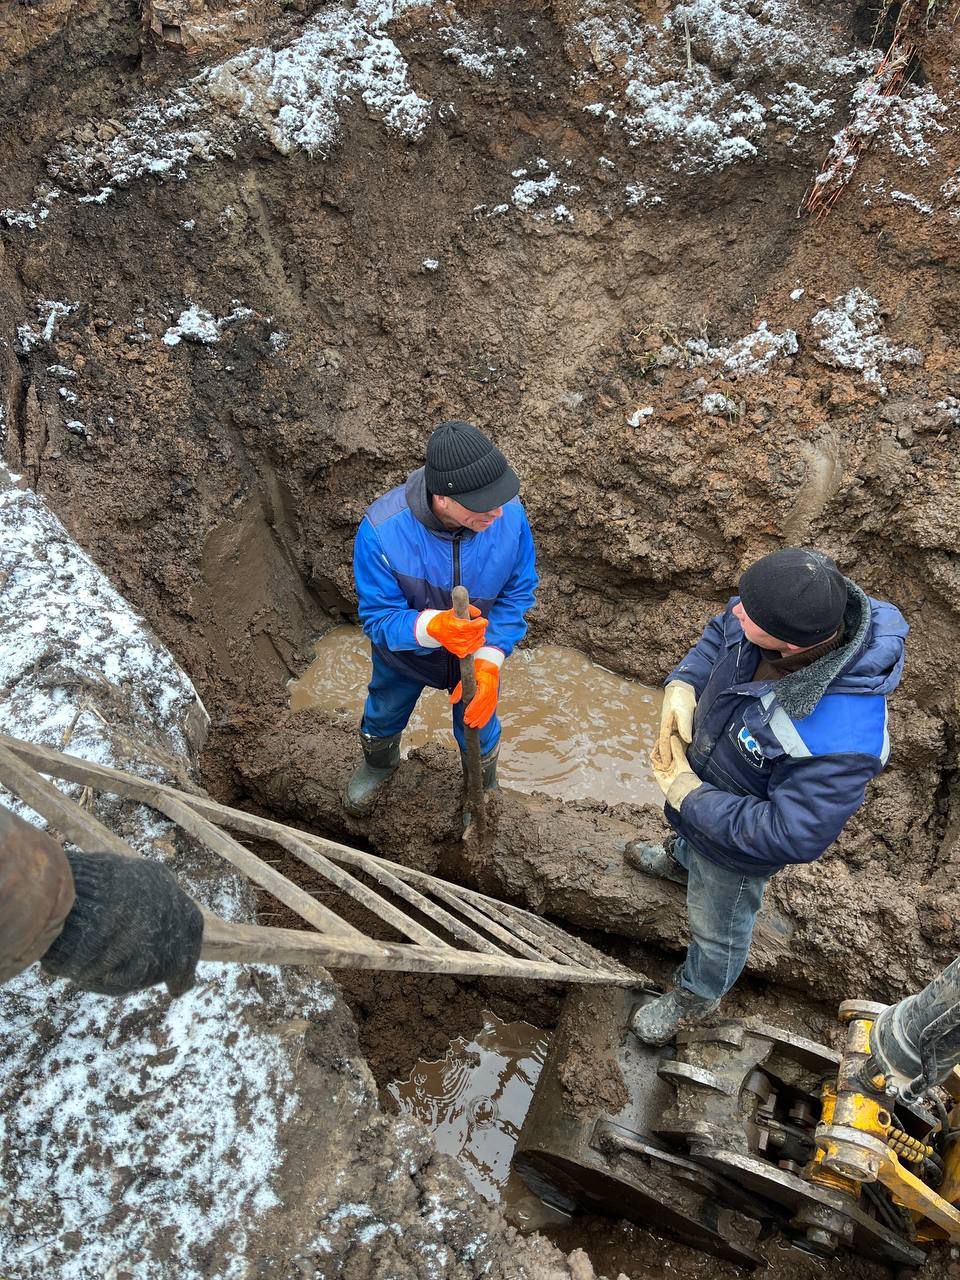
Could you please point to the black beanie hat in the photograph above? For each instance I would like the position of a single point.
(464, 465)
(796, 595)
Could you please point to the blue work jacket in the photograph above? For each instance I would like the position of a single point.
(785, 763)
(405, 561)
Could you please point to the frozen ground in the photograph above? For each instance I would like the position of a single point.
(143, 1120)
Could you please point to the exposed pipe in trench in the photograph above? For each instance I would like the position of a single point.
(566, 860)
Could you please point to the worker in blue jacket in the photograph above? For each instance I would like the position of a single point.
(771, 728)
(457, 520)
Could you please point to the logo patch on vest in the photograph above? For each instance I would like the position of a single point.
(750, 747)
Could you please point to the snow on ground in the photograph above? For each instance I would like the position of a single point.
(950, 191)
(754, 353)
(197, 325)
(48, 313)
(904, 125)
(717, 403)
(528, 192)
(29, 219)
(136, 1126)
(849, 335)
(469, 48)
(911, 121)
(540, 185)
(65, 633)
(293, 96)
(713, 79)
(135, 1134)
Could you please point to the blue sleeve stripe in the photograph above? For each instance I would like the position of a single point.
(847, 722)
(387, 506)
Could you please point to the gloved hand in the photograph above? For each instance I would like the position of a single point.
(131, 926)
(484, 702)
(461, 636)
(676, 715)
(674, 777)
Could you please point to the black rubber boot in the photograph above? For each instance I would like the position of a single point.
(488, 768)
(658, 1022)
(655, 860)
(488, 776)
(381, 756)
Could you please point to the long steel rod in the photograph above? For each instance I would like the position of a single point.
(474, 770)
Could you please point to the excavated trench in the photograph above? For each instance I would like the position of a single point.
(463, 1055)
(209, 371)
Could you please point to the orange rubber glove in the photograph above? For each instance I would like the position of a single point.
(461, 636)
(484, 702)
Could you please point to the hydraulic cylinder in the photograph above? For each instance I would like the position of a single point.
(916, 1044)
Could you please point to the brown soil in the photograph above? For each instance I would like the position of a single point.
(220, 485)
(588, 1080)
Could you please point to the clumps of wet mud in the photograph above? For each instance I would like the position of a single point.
(566, 860)
(402, 1018)
(589, 1081)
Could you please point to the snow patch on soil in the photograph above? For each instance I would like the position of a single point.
(719, 404)
(526, 194)
(902, 124)
(183, 1098)
(138, 1136)
(30, 219)
(698, 81)
(849, 336)
(293, 96)
(904, 197)
(754, 353)
(471, 50)
(49, 313)
(197, 325)
(65, 630)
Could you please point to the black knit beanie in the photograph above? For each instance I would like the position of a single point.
(463, 464)
(796, 595)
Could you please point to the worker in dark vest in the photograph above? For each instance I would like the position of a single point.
(771, 728)
(455, 521)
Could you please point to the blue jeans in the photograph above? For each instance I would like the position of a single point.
(391, 698)
(721, 908)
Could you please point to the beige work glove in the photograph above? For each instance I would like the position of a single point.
(676, 715)
(675, 778)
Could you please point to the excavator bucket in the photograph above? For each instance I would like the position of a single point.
(709, 1138)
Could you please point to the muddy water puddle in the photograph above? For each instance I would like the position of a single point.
(570, 728)
(474, 1100)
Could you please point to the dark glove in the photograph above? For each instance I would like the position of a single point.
(131, 926)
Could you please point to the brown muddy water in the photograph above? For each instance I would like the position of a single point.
(474, 1100)
(571, 728)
